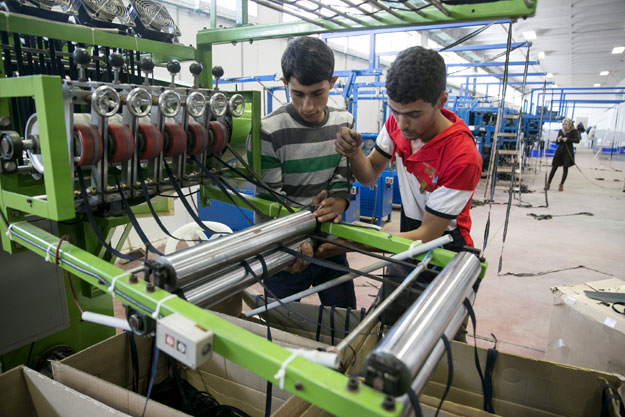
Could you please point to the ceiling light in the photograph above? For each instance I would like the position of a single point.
(541, 55)
(549, 75)
(618, 50)
(596, 85)
(602, 73)
(530, 35)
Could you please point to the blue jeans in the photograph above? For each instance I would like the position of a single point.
(284, 284)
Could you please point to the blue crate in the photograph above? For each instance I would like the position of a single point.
(396, 193)
(352, 214)
(225, 213)
(377, 200)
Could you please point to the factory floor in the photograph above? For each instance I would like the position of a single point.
(568, 249)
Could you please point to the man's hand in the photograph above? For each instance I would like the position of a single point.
(347, 142)
(328, 250)
(299, 265)
(563, 138)
(328, 209)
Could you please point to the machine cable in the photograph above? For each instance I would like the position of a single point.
(92, 222)
(65, 237)
(154, 361)
(184, 201)
(148, 200)
(133, 219)
(607, 398)
(487, 390)
(450, 372)
(134, 357)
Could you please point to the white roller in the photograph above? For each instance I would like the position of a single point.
(105, 320)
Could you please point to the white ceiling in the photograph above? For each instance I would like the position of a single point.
(577, 37)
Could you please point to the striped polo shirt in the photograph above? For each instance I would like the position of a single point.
(298, 157)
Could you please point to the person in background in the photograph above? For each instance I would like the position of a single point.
(565, 155)
(299, 161)
(438, 164)
(591, 136)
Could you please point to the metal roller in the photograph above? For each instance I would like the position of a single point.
(395, 362)
(223, 284)
(196, 262)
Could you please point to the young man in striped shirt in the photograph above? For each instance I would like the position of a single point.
(299, 160)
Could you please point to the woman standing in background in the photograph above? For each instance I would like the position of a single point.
(564, 155)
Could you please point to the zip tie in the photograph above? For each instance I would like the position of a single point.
(413, 245)
(161, 302)
(8, 232)
(111, 288)
(281, 374)
(50, 246)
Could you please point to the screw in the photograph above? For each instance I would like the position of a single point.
(352, 384)
(15, 213)
(299, 386)
(133, 279)
(389, 403)
(149, 287)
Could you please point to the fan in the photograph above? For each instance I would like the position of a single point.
(59, 10)
(153, 20)
(107, 13)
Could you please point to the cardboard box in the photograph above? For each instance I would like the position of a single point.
(586, 332)
(24, 392)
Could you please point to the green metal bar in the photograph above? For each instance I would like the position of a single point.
(321, 386)
(242, 15)
(471, 12)
(59, 203)
(380, 240)
(29, 25)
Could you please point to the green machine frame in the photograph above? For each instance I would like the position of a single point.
(83, 258)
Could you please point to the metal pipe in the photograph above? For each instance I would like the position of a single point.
(395, 362)
(410, 253)
(185, 266)
(423, 377)
(373, 315)
(221, 285)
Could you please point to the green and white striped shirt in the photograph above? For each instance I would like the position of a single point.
(298, 157)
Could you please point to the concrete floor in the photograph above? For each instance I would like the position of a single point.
(563, 250)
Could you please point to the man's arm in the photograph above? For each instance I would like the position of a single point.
(366, 170)
(431, 227)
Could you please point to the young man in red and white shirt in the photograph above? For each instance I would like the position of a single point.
(438, 164)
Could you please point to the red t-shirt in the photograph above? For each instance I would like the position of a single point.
(440, 177)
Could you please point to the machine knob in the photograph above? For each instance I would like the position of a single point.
(116, 60)
(218, 72)
(146, 64)
(195, 68)
(81, 57)
(173, 66)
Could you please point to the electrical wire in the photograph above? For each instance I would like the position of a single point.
(67, 274)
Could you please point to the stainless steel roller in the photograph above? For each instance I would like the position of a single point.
(222, 285)
(193, 263)
(395, 362)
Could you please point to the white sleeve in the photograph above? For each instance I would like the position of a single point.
(384, 144)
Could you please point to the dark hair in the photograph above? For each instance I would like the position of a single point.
(417, 73)
(309, 60)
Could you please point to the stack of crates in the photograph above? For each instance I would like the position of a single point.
(376, 201)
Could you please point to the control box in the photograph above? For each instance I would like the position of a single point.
(184, 340)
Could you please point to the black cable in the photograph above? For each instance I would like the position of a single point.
(154, 362)
(32, 345)
(618, 303)
(414, 402)
(450, 373)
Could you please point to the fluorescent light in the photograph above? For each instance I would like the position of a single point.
(530, 35)
(541, 55)
(618, 50)
(602, 73)
(549, 75)
(596, 85)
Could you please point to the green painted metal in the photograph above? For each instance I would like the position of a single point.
(28, 25)
(321, 386)
(59, 188)
(431, 15)
(380, 240)
(249, 120)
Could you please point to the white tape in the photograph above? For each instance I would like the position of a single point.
(610, 322)
(559, 344)
(327, 359)
(160, 303)
(281, 374)
(50, 246)
(8, 232)
(111, 288)
(413, 245)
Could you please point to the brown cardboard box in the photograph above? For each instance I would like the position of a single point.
(24, 392)
(585, 332)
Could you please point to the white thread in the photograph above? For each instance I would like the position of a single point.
(412, 246)
(8, 232)
(158, 305)
(111, 288)
(281, 374)
(50, 246)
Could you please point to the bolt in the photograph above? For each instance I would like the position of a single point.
(133, 279)
(389, 403)
(352, 384)
(5, 121)
(149, 287)
(15, 213)
(206, 349)
(135, 322)
(299, 386)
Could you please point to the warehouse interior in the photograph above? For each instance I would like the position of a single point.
(134, 277)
